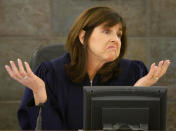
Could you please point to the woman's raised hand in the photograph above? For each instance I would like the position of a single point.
(155, 73)
(29, 79)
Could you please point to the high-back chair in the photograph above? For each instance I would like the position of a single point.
(45, 54)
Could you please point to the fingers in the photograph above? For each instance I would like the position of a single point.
(29, 71)
(10, 72)
(154, 74)
(165, 67)
(15, 72)
(157, 72)
(19, 74)
(152, 71)
(161, 68)
(25, 76)
(21, 68)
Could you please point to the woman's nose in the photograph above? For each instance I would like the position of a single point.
(115, 38)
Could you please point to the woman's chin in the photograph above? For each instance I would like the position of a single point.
(111, 58)
(112, 55)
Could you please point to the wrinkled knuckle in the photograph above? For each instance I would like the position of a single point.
(30, 75)
(15, 75)
(22, 73)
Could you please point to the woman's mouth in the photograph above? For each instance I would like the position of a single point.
(111, 47)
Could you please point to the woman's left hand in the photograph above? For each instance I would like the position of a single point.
(155, 73)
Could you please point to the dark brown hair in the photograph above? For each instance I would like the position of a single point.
(87, 21)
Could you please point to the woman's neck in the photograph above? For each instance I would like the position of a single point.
(93, 67)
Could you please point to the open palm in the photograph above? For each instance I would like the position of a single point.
(28, 79)
(154, 74)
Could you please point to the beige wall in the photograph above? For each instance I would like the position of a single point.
(26, 25)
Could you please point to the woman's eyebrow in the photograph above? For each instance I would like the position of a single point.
(108, 27)
(119, 31)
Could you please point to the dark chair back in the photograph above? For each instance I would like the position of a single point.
(45, 54)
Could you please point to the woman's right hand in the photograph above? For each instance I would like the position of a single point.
(28, 79)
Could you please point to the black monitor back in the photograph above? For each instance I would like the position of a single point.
(118, 107)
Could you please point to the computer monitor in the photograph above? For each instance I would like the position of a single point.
(124, 107)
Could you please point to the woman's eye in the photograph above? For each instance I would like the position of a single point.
(119, 35)
(106, 31)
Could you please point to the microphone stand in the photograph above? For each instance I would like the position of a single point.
(39, 118)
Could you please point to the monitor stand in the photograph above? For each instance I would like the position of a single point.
(125, 118)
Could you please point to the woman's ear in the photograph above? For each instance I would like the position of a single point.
(81, 36)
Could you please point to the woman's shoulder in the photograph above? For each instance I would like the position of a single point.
(134, 66)
(131, 63)
(54, 67)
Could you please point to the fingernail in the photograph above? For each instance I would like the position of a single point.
(162, 61)
(154, 63)
(11, 62)
(25, 62)
(6, 66)
(18, 60)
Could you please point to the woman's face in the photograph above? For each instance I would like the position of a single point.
(105, 42)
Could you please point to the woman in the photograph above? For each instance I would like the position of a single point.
(96, 45)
